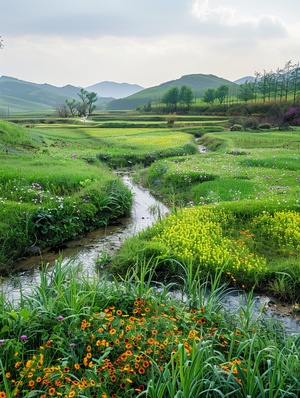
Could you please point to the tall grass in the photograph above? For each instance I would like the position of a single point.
(76, 335)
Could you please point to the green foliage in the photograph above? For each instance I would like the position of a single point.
(264, 126)
(236, 127)
(221, 93)
(246, 91)
(209, 95)
(186, 95)
(171, 98)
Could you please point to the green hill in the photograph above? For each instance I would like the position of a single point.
(19, 96)
(198, 83)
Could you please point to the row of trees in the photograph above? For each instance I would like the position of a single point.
(282, 85)
(279, 86)
(212, 94)
(174, 96)
(84, 107)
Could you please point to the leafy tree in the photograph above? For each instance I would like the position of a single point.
(86, 106)
(222, 93)
(209, 95)
(246, 91)
(1, 42)
(72, 106)
(171, 97)
(148, 107)
(92, 98)
(186, 95)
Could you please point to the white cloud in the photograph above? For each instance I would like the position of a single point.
(204, 12)
(262, 26)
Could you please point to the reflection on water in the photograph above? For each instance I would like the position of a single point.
(145, 211)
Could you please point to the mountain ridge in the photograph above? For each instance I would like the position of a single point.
(198, 83)
(14, 93)
(114, 89)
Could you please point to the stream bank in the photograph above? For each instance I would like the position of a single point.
(105, 241)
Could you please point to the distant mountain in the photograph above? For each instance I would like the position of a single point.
(245, 79)
(198, 83)
(21, 96)
(115, 90)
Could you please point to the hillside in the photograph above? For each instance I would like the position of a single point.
(198, 83)
(19, 96)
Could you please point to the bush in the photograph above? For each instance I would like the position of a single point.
(264, 126)
(292, 116)
(236, 127)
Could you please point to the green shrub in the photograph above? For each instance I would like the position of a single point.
(264, 126)
(236, 127)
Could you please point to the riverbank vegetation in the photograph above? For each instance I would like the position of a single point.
(56, 183)
(51, 196)
(73, 336)
(241, 211)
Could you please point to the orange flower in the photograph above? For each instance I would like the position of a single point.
(51, 391)
(112, 331)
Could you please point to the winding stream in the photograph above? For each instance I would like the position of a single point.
(145, 211)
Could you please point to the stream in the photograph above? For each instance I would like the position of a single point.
(146, 210)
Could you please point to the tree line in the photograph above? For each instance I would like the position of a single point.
(174, 95)
(281, 85)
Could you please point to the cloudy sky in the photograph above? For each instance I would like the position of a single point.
(145, 42)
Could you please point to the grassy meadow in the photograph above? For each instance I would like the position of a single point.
(234, 224)
(56, 181)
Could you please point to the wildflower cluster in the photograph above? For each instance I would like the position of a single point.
(111, 351)
(282, 230)
(196, 234)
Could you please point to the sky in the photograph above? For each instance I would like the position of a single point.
(145, 42)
